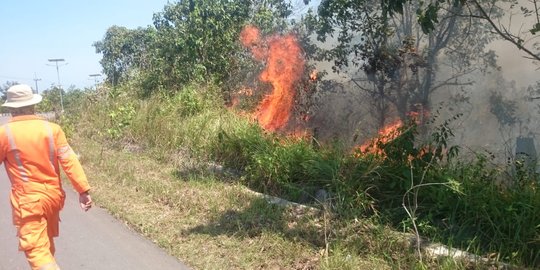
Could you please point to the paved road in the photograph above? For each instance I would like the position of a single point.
(93, 240)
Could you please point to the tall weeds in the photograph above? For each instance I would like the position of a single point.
(413, 185)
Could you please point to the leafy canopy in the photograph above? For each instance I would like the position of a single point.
(190, 41)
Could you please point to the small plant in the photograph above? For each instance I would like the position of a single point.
(120, 118)
(189, 102)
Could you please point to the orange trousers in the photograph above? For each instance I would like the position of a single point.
(37, 221)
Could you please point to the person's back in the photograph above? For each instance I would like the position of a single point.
(33, 150)
(29, 139)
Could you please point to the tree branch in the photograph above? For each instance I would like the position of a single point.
(507, 36)
(447, 81)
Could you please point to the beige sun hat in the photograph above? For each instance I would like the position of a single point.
(21, 95)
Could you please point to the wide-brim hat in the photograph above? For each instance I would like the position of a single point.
(21, 95)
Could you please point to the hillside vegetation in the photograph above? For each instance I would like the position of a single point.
(163, 154)
(206, 114)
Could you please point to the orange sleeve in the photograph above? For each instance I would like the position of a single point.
(70, 163)
(3, 147)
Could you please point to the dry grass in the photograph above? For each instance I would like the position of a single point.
(212, 223)
(206, 223)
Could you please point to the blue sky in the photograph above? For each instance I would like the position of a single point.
(34, 31)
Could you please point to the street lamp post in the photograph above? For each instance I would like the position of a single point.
(56, 60)
(95, 76)
(36, 80)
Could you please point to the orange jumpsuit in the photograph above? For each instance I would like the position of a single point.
(32, 150)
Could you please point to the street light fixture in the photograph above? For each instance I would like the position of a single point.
(56, 60)
(95, 76)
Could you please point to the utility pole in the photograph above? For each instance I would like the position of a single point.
(95, 76)
(36, 80)
(56, 60)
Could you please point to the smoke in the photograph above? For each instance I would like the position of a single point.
(495, 110)
(514, 65)
(495, 114)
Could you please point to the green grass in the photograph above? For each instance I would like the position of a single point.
(208, 223)
(166, 143)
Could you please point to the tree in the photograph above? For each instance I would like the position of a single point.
(194, 40)
(397, 62)
(525, 41)
(488, 11)
(124, 50)
(5, 87)
(51, 100)
(198, 40)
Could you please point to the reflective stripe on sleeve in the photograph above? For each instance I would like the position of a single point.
(17, 154)
(51, 144)
(64, 152)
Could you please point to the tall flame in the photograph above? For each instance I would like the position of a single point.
(284, 67)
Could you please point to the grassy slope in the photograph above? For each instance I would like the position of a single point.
(208, 223)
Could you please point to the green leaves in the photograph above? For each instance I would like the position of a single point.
(120, 118)
(197, 40)
(191, 41)
(122, 51)
(394, 6)
(427, 18)
(51, 100)
(535, 29)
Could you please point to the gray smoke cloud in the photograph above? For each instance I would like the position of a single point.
(497, 109)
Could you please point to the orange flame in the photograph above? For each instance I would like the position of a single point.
(251, 38)
(385, 134)
(313, 75)
(284, 67)
(389, 133)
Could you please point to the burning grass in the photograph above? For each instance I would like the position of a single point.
(192, 213)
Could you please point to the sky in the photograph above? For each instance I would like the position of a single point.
(35, 31)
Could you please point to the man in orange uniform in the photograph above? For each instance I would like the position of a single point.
(33, 150)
